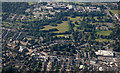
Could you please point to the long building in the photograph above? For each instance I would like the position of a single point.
(104, 53)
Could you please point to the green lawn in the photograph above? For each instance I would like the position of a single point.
(96, 18)
(77, 18)
(47, 27)
(64, 26)
(102, 40)
(106, 33)
(60, 35)
(115, 11)
(75, 28)
(3, 13)
(30, 3)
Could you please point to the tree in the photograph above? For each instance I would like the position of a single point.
(76, 22)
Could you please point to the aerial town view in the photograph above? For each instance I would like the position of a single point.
(60, 36)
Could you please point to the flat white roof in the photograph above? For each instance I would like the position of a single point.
(104, 53)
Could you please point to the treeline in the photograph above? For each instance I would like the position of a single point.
(116, 36)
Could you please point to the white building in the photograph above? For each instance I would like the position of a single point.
(100, 69)
(104, 53)
(49, 7)
(92, 62)
(21, 48)
(81, 67)
(70, 6)
(117, 16)
(93, 9)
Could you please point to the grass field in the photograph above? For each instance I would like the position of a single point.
(75, 19)
(75, 28)
(61, 27)
(60, 35)
(3, 13)
(64, 26)
(30, 3)
(115, 11)
(102, 40)
(96, 18)
(47, 27)
(106, 33)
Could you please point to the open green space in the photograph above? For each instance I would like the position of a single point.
(103, 40)
(115, 11)
(60, 35)
(77, 18)
(3, 12)
(96, 18)
(64, 35)
(31, 3)
(63, 27)
(106, 33)
(75, 28)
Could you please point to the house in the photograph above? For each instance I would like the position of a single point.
(92, 62)
(117, 16)
(70, 6)
(11, 45)
(100, 69)
(49, 7)
(79, 9)
(23, 17)
(27, 10)
(44, 53)
(107, 59)
(109, 24)
(103, 28)
(81, 67)
(104, 53)
(92, 9)
(22, 48)
(52, 13)
(24, 43)
(16, 41)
